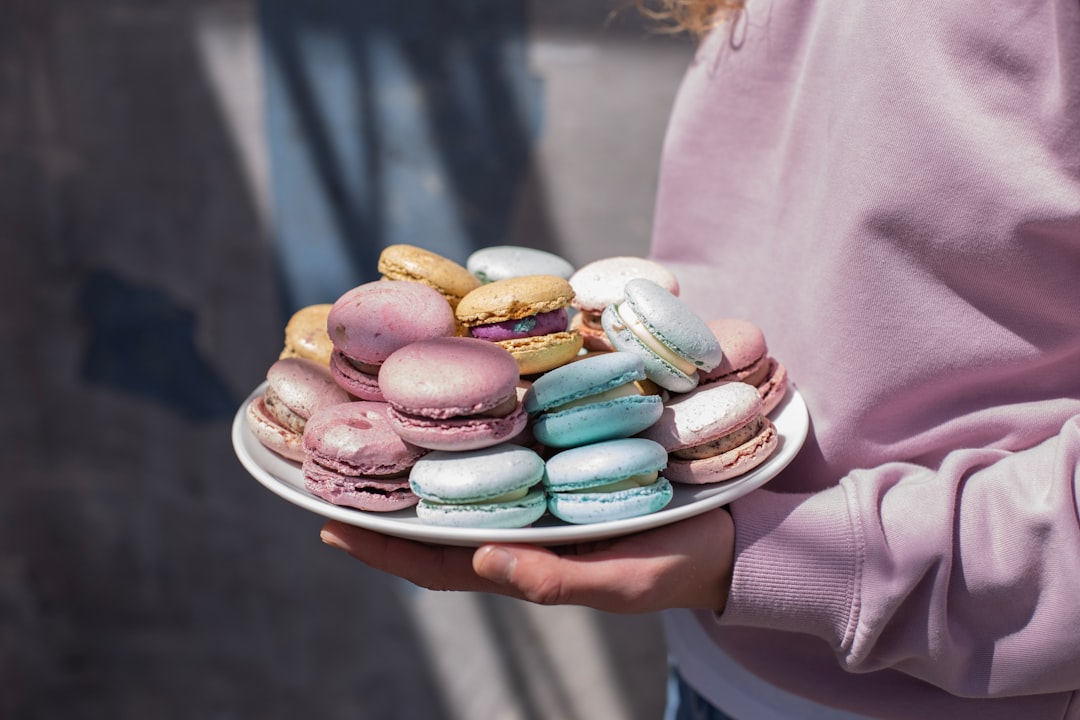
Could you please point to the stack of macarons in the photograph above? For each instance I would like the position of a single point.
(371, 321)
(353, 457)
(453, 394)
(461, 398)
(746, 359)
(296, 388)
(675, 343)
(601, 283)
(587, 411)
(492, 393)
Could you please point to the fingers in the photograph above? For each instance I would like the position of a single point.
(435, 567)
(687, 564)
(541, 576)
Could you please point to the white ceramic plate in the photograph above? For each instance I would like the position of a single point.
(284, 478)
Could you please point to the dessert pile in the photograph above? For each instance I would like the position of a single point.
(494, 393)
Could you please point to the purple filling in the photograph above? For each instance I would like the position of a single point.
(542, 324)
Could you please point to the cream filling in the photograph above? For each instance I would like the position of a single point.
(633, 324)
(282, 413)
(634, 481)
(614, 393)
(511, 496)
(503, 409)
(736, 438)
(758, 376)
(366, 368)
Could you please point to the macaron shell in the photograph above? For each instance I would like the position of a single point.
(449, 377)
(657, 369)
(584, 377)
(705, 414)
(607, 420)
(412, 263)
(362, 493)
(752, 374)
(353, 458)
(542, 353)
(728, 465)
(602, 463)
(357, 439)
(775, 386)
(298, 387)
(477, 475)
(457, 434)
(514, 298)
(354, 380)
(499, 262)
(509, 514)
(304, 386)
(603, 419)
(371, 321)
(271, 434)
(586, 508)
(743, 345)
(601, 282)
(767, 375)
(673, 323)
(306, 336)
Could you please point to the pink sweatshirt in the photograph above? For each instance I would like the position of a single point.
(891, 190)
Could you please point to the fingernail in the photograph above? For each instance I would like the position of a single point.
(332, 540)
(497, 565)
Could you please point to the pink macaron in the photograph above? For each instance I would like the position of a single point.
(295, 389)
(714, 433)
(746, 359)
(369, 322)
(453, 393)
(354, 458)
(600, 283)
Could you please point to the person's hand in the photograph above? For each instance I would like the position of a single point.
(686, 564)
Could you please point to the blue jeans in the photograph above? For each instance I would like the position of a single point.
(684, 702)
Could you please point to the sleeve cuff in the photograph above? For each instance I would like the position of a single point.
(797, 560)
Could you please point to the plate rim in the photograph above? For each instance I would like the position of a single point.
(790, 417)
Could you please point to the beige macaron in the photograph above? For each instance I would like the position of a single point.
(306, 335)
(408, 262)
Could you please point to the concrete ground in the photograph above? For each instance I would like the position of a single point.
(143, 574)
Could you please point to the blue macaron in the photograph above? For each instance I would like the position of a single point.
(500, 262)
(673, 341)
(592, 399)
(609, 480)
(493, 487)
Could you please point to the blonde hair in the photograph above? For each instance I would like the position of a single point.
(696, 17)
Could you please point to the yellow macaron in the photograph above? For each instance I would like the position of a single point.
(409, 262)
(526, 315)
(306, 335)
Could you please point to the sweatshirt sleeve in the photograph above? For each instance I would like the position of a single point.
(966, 576)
